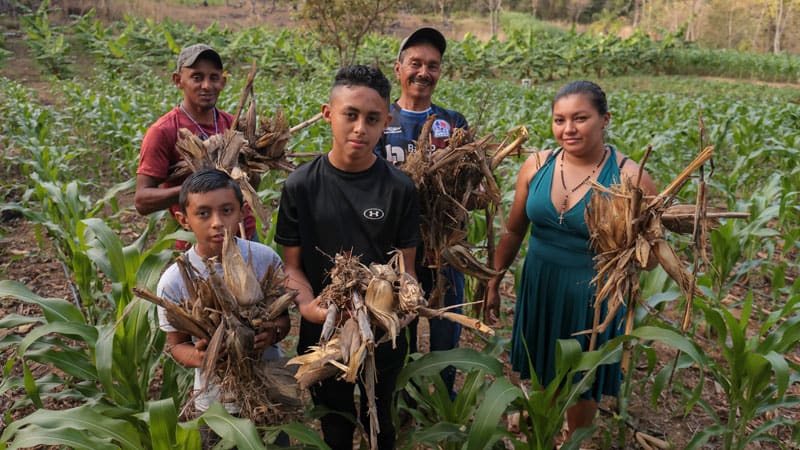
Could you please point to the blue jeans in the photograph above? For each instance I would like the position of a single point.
(444, 334)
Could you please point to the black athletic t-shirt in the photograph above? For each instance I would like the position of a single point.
(324, 211)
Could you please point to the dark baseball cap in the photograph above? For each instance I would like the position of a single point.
(189, 55)
(424, 35)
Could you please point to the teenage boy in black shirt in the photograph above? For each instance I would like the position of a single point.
(348, 200)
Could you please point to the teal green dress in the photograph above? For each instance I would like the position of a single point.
(555, 297)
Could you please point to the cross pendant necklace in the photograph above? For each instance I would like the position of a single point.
(565, 203)
(203, 133)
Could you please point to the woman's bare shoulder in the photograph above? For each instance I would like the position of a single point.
(532, 165)
(630, 170)
(537, 158)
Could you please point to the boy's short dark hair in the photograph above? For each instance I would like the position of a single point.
(360, 75)
(208, 180)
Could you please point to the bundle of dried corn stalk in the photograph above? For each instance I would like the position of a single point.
(267, 138)
(451, 182)
(628, 233)
(221, 151)
(249, 148)
(374, 297)
(229, 309)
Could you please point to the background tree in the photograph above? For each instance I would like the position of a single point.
(577, 7)
(691, 23)
(494, 7)
(344, 23)
(444, 9)
(782, 12)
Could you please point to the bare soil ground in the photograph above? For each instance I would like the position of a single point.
(26, 258)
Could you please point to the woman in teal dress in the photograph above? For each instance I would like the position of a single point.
(556, 296)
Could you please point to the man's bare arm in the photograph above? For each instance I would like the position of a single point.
(150, 197)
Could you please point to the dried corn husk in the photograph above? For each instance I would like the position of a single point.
(251, 147)
(267, 137)
(627, 232)
(224, 152)
(451, 182)
(229, 311)
(679, 218)
(239, 275)
(380, 299)
(373, 297)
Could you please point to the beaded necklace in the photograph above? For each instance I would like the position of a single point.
(203, 133)
(570, 191)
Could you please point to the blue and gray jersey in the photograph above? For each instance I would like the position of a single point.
(399, 137)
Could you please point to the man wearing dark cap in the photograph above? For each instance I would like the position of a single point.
(418, 68)
(199, 74)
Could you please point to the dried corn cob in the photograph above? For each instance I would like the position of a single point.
(374, 297)
(215, 311)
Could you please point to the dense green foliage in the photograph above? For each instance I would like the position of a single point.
(538, 53)
(52, 154)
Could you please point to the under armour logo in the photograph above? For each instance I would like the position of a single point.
(373, 214)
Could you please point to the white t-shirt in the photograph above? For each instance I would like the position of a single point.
(171, 287)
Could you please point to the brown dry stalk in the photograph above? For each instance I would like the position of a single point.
(522, 135)
(305, 123)
(469, 322)
(452, 182)
(669, 192)
(246, 92)
(628, 235)
(381, 296)
(229, 311)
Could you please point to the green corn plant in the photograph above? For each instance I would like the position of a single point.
(545, 406)
(756, 375)
(48, 44)
(440, 420)
(726, 251)
(84, 427)
(241, 433)
(168, 433)
(84, 370)
(61, 213)
(736, 245)
(473, 420)
(752, 372)
(112, 362)
(96, 426)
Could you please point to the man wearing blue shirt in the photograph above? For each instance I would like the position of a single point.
(418, 68)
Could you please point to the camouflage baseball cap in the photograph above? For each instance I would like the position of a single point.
(189, 55)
